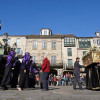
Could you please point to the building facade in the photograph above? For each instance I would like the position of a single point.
(61, 50)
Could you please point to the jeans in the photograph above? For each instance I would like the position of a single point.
(45, 80)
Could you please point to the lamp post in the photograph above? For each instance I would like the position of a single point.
(14, 46)
(5, 37)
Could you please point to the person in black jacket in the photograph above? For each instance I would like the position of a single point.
(76, 72)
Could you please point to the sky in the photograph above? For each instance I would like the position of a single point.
(25, 17)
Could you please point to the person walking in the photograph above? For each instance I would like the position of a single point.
(32, 77)
(8, 67)
(76, 73)
(24, 72)
(46, 70)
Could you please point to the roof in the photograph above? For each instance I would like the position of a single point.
(46, 28)
(50, 36)
(16, 35)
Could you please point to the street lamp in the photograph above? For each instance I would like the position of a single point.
(14, 46)
(5, 37)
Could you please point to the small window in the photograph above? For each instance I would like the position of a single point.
(18, 51)
(8, 42)
(53, 45)
(42, 58)
(69, 52)
(98, 41)
(53, 59)
(18, 41)
(45, 32)
(34, 44)
(34, 58)
(44, 45)
(70, 63)
(84, 52)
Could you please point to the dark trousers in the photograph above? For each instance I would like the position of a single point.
(45, 80)
(24, 79)
(32, 83)
(41, 85)
(55, 83)
(6, 77)
(66, 82)
(50, 83)
(77, 80)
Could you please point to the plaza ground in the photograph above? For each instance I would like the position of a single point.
(55, 93)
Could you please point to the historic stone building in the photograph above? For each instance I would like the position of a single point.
(61, 50)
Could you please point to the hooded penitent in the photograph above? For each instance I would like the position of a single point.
(34, 66)
(9, 58)
(27, 59)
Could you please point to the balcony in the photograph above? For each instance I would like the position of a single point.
(70, 66)
(56, 64)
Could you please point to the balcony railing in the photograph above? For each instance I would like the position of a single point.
(70, 66)
(55, 64)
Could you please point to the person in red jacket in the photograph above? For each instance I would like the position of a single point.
(45, 70)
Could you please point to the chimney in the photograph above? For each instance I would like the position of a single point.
(97, 34)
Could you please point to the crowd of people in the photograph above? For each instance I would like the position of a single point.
(27, 74)
(24, 73)
(61, 80)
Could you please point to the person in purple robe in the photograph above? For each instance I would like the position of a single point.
(32, 77)
(24, 72)
(8, 68)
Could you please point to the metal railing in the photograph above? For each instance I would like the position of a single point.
(70, 66)
(56, 63)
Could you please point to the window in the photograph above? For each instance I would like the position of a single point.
(69, 52)
(94, 42)
(53, 59)
(45, 32)
(84, 43)
(17, 41)
(18, 51)
(84, 52)
(98, 41)
(8, 42)
(53, 45)
(69, 63)
(69, 41)
(34, 44)
(42, 58)
(34, 58)
(44, 45)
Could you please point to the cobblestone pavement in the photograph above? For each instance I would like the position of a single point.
(55, 93)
